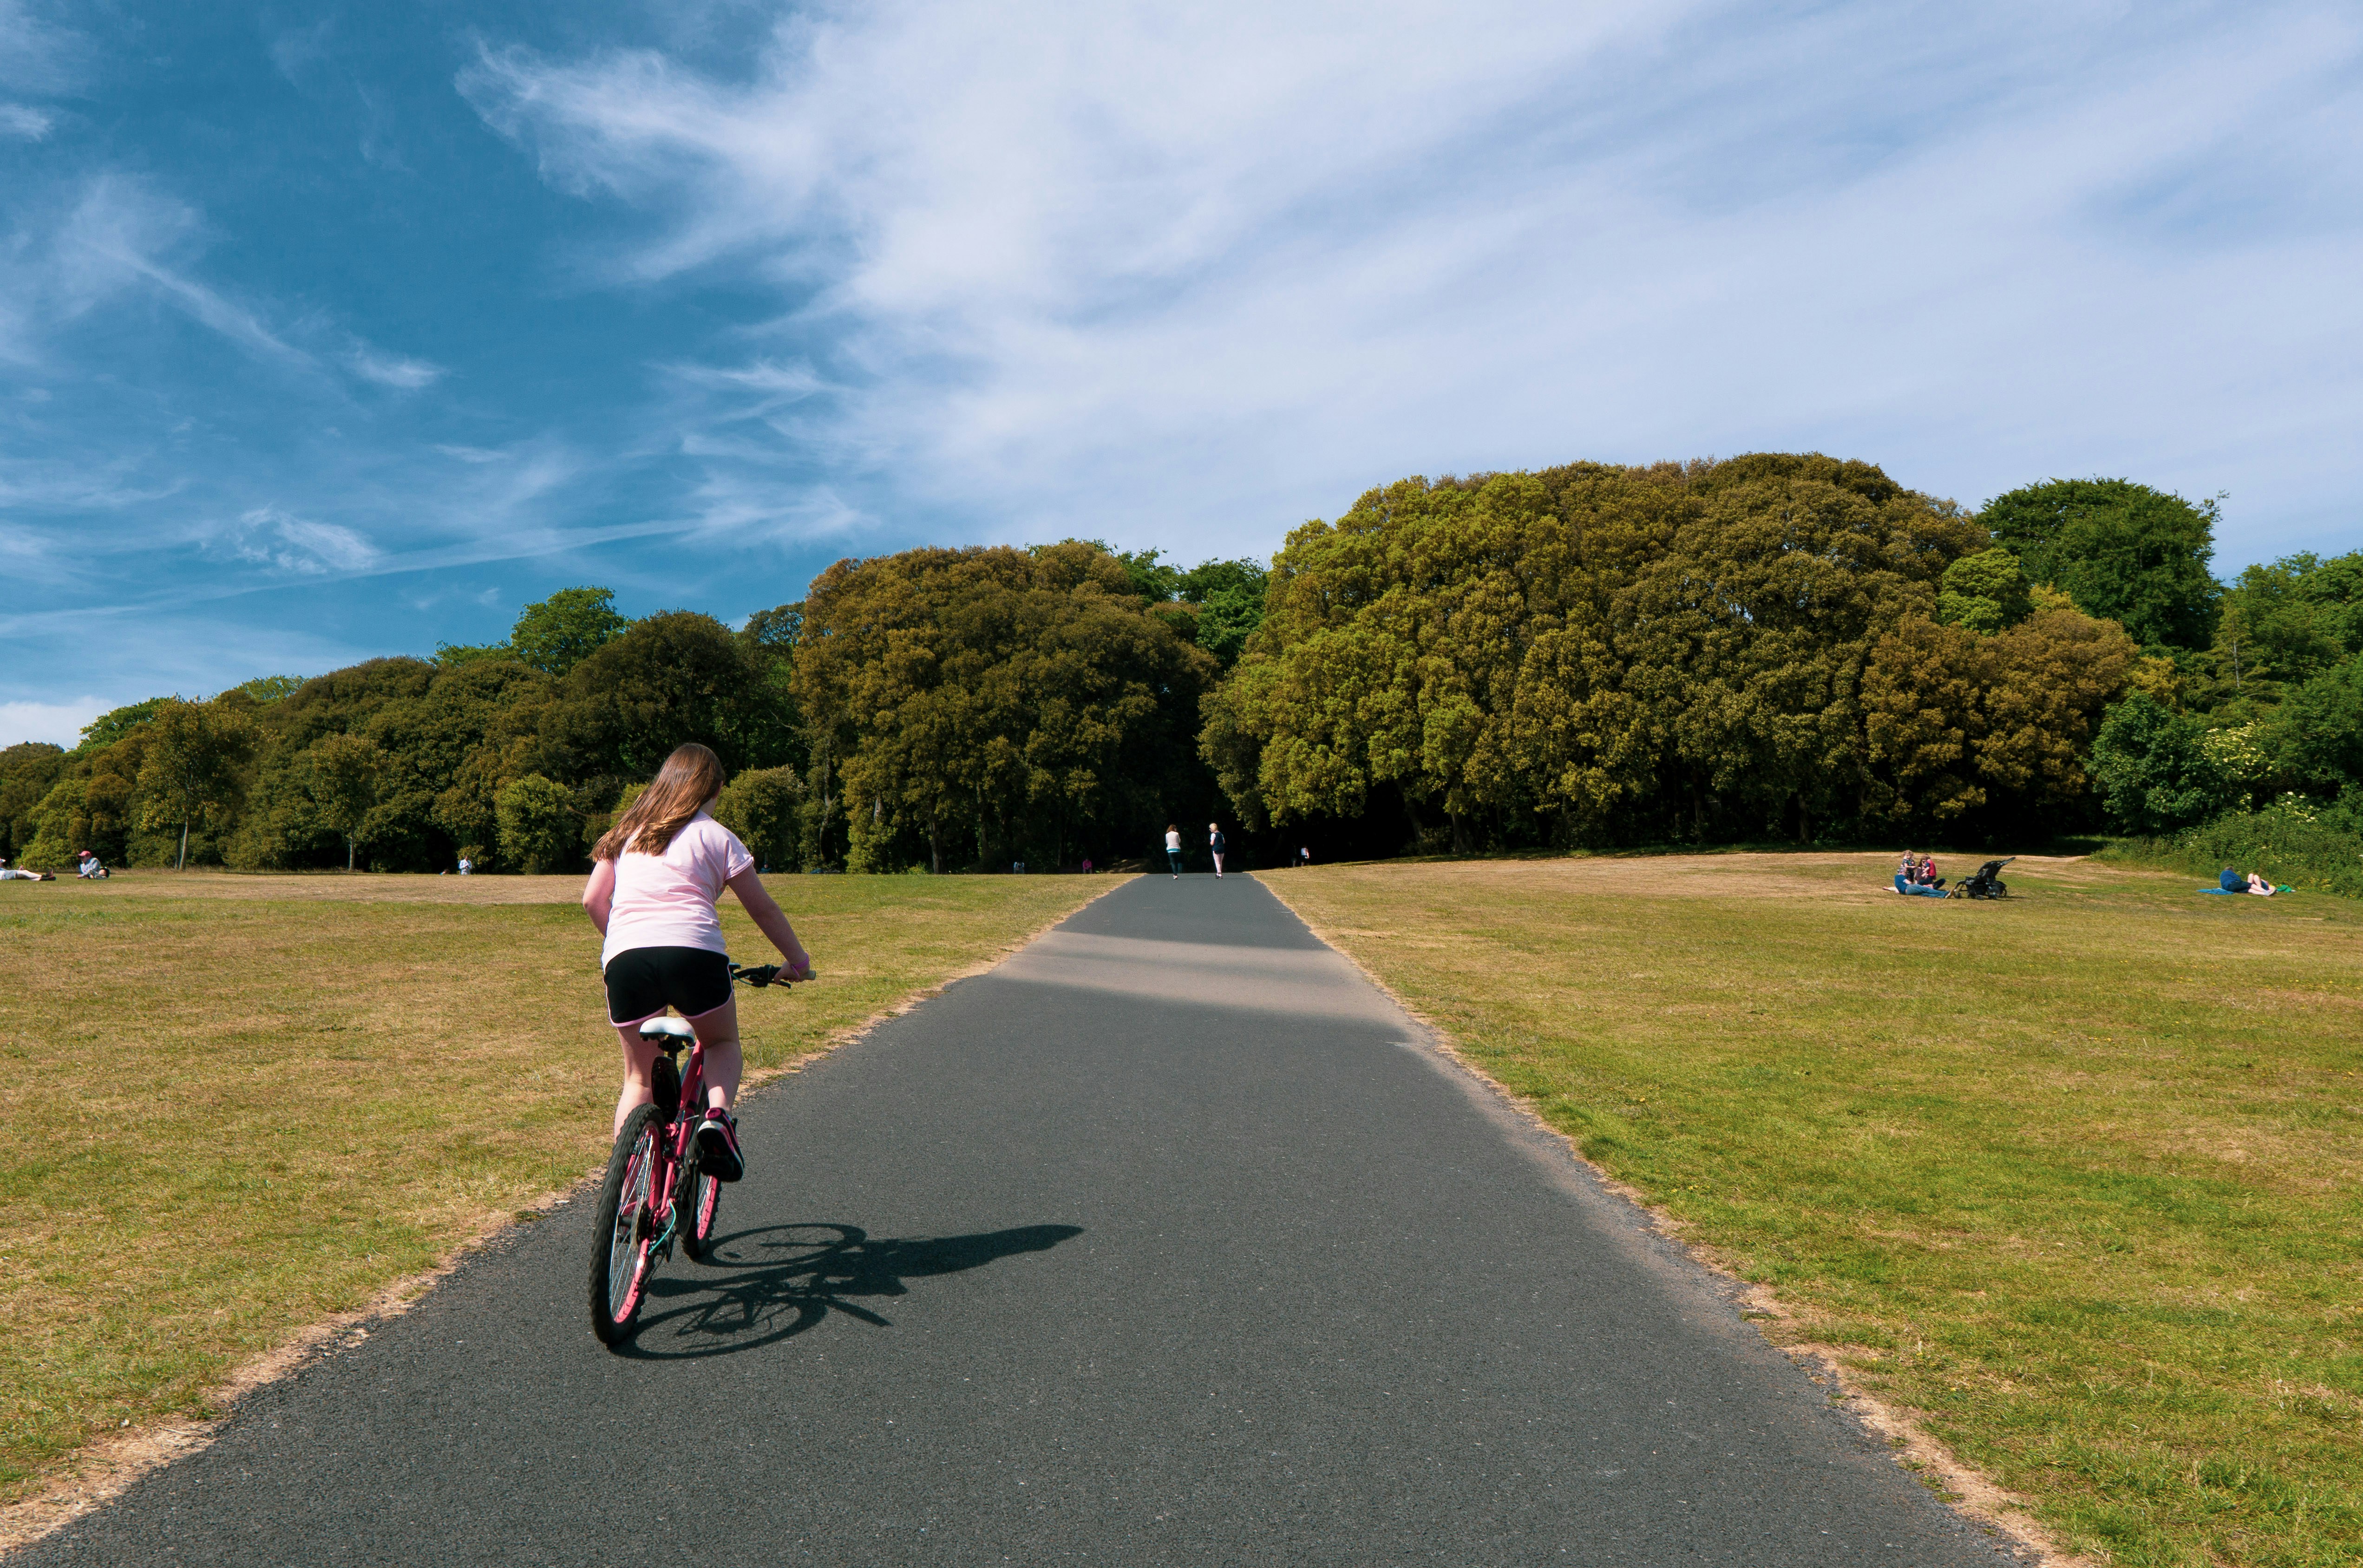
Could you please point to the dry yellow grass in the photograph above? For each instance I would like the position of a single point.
(233, 1105)
(2074, 1176)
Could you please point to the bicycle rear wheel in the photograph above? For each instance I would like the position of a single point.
(705, 1201)
(624, 1228)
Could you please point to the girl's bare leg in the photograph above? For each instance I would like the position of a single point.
(639, 1061)
(718, 1033)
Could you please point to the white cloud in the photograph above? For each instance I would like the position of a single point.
(26, 121)
(59, 723)
(123, 234)
(394, 370)
(1143, 271)
(293, 544)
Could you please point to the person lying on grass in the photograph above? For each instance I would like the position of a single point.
(2259, 886)
(8, 875)
(655, 878)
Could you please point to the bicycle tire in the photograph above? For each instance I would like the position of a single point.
(705, 1203)
(620, 1236)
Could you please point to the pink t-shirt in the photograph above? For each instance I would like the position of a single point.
(667, 900)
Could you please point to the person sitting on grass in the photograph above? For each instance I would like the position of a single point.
(87, 867)
(2260, 887)
(8, 875)
(1906, 881)
(1927, 877)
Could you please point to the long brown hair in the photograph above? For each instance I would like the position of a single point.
(689, 781)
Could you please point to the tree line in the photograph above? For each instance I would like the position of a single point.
(1774, 646)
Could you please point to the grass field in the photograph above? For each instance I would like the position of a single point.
(230, 1106)
(2073, 1177)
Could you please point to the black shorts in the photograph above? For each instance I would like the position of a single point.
(644, 981)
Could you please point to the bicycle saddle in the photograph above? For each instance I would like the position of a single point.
(668, 1028)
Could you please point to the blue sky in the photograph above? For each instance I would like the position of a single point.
(335, 330)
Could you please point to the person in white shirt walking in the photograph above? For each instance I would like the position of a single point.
(1174, 849)
(1216, 843)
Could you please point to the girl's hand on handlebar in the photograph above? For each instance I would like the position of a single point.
(799, 967)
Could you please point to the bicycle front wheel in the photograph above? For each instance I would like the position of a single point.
(625, 1227)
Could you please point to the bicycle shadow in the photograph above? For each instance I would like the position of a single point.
(762, 1285)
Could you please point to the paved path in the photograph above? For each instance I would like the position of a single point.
(1167, 1241)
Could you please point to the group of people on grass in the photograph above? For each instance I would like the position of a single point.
(87, 867)
(1917, 877)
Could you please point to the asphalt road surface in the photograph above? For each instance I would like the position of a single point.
(1169, 1241)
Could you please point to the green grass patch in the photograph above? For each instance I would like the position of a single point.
(234, 1105)
(2074, 1176)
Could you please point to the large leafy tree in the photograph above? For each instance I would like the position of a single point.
(672, 678)
(2152, 768)
(558, 632)
(1584, 652)
(1017, 704)
(2121, 550)
(343, 772)
(192, 767)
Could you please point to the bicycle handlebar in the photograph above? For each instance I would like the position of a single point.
(761, 975)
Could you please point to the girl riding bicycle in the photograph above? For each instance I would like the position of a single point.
(655, 878)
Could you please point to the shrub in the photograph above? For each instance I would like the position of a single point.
(540, 830)
(764, 806)
(2152, 768)
(2292, 842)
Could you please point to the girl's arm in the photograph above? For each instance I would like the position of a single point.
(599, 893)
(772, 922)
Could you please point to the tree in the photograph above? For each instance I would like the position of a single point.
(115, 723)
(28, 772)
(344, 772)
(266, 689)
(2289, 620)
(764, 806)
(1230, 596)
(1023, 704)
(1986, 592)
(2316, 735)
(540, 829)
(558, 632)
(1583, 653)
(672, 678)
(2152, 771)
(189, 771)
(2119, 550)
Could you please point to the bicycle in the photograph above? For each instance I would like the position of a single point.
(653, 1182)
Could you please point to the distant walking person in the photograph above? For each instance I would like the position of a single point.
(1303, 857)
(1218, 843)
(1174, 849)
(466, 866)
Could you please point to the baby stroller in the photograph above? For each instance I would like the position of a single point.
(1987, 882)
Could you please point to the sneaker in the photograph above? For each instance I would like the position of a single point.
(718, 1146)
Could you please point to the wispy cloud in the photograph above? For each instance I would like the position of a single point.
(26, 121)
(122, 234)
(393, 370)
(1168, 276)
(292, 544)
